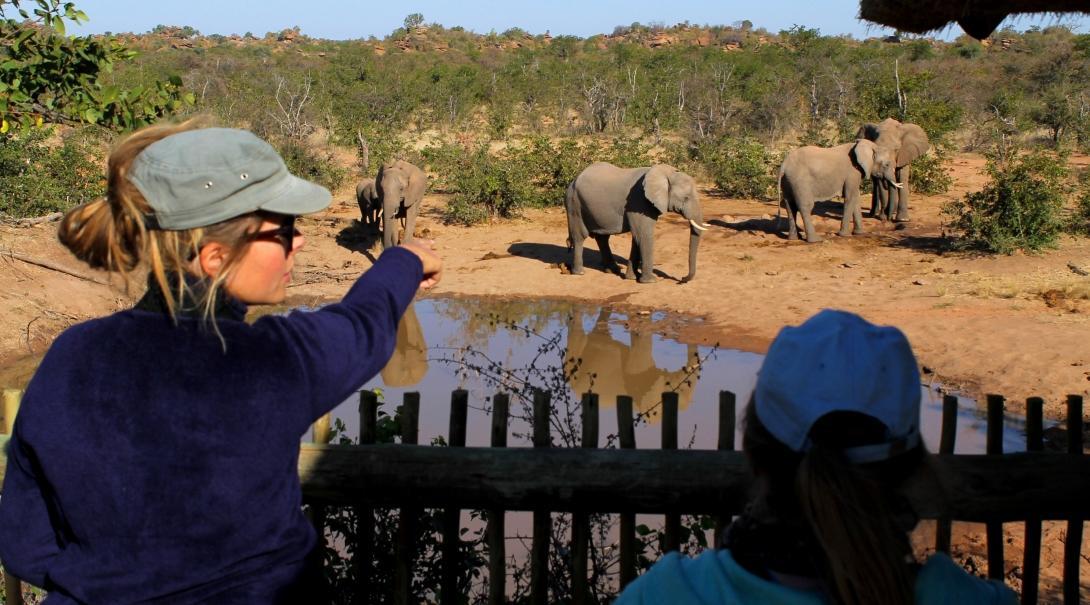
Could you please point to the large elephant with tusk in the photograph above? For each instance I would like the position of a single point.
(810, 174)
(908, 142)
(605, 200)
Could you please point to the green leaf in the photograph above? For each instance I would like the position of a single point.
(175, 80)
(58, 25)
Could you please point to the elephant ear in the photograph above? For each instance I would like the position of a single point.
(656, 186)
(868, 131)
(863, 154)
(914, 143)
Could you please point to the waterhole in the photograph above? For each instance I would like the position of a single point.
(487, 346)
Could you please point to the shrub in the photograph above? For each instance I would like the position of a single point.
(38, 176)
(740, 167)
(488, 186)
(1079, 221)
(929, 173)
(1021, 208)
(318, 165)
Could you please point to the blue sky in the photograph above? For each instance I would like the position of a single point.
(344, 19)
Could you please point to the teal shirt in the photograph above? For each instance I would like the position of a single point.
(714, 578)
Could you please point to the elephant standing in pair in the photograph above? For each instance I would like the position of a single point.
(605, 200)
(369, 202)
(401, 187)
(811, 174)
(908, 142)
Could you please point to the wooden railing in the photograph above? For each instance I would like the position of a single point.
(993, 488)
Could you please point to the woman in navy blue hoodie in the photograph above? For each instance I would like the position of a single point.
(154, 456)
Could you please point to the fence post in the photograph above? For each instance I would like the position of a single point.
(672, 538)
(539, 549)
(580, 525)
(944, 525)
(1073, 544)
(994, 529)
(13, 587)
(728, 409)
(459, 406)
(406, 527)
(365, 516)
(316, 511)
(1031, 555)
(496, 528)
(627, 436)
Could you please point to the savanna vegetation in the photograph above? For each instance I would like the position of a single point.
(504, 120)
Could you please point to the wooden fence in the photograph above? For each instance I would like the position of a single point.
(992, 488)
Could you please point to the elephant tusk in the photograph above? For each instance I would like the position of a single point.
(898, 185)
(697, 226)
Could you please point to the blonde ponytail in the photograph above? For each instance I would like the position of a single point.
(111, 233)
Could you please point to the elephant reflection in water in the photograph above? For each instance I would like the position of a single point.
(410, 361)
(598, 363)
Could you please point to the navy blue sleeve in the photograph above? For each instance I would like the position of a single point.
(27, 540)
(343, 345)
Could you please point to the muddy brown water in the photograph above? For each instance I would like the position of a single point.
(487, 345)
(484, 345)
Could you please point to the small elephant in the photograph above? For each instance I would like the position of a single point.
(369, 201)
(908, 142)
(606, 200)
(401, 187)
(810, 174)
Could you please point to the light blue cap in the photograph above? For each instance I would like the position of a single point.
(201, 177)
(837, 361)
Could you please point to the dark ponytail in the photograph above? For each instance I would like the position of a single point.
(858, 522)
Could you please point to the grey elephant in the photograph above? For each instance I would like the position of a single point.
(605, 200)
(401, 187)
(369, 202)
(810, 174)
(908, 142)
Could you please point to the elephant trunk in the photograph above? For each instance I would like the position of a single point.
(696, 229)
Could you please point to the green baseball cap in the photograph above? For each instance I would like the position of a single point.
(201, 177)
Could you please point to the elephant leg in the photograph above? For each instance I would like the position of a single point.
(874, 201)
(633, 260)
(846, 215)
(607, 254)
(577, 256)
(857, 216)
(792, 227)
(808, 223)
(647, 259)
(903, 175)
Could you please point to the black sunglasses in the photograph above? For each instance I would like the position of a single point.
(285, 234)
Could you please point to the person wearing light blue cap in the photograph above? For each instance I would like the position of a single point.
(154, 457)
(831, 432)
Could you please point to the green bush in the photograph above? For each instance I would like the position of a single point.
(929, 173)
(534, 172)
(1021, 208)
(740, 167)
(317, 165)
(1079, 221)
(39, 175)
(487, 186)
